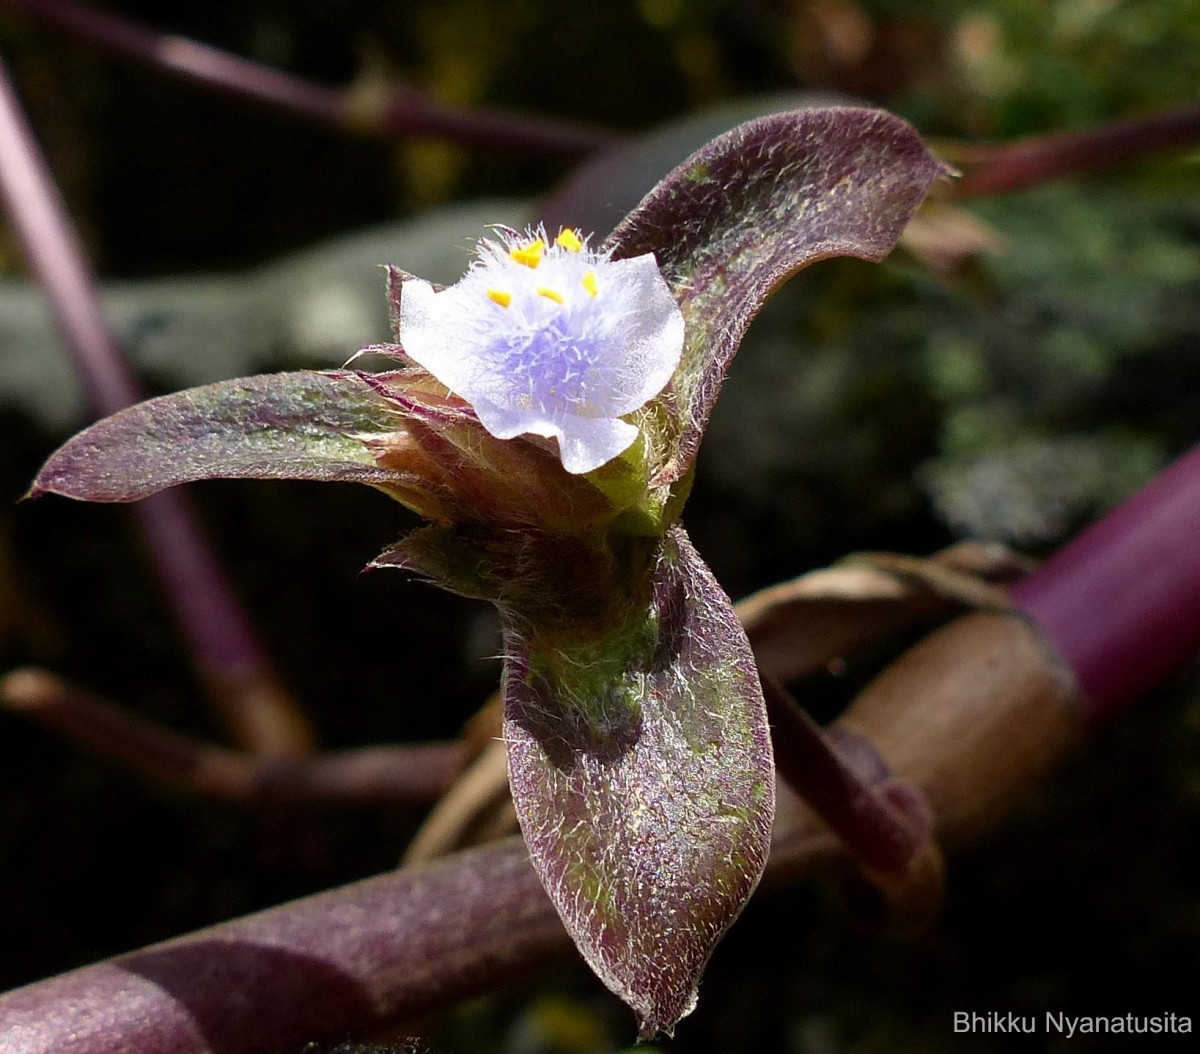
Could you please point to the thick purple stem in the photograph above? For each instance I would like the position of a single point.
(348, 962)
(1121, 602)
(393, 111)
(220, 635)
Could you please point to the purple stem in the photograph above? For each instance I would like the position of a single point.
(393, 111)
(380, 775)
(349, 962)
(1027, 162)
(1121, 602)
(218, 632)
(56, 258)
(873, 832)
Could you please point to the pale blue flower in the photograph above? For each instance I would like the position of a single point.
(553, 340)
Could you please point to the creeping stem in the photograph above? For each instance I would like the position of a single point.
(410, 772)
(225, 645)
(1027, 162)
(393, 111)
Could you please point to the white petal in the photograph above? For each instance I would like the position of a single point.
(435, 328)
(586, 443)
(647, 337)
(506, 423)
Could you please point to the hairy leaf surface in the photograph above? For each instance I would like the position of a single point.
(640, 764)
(304, 425)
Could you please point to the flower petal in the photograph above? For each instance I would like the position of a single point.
(546, 337)
(586, 443)
(646, 337)
(432, 331)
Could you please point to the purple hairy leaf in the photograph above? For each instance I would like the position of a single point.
(752, 208)
(640, 764)
(304, 425)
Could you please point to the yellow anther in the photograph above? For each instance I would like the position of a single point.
(530, 255)
(550, 294)
(498, 296)
(589, 283)
(568, 240)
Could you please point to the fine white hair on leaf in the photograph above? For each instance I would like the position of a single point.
(549, 338)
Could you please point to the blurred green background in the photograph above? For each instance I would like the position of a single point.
(1013, 397)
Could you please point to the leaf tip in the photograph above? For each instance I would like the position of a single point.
(656, 1020)
(946, 170)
